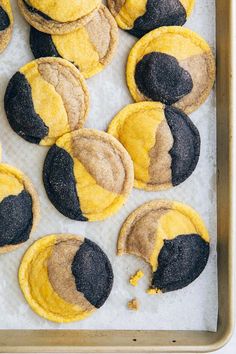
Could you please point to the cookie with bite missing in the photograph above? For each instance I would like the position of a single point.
(45, 99)
(141, 17)
(88, 175)
(19, 208)
(172, 238)
(162, 141)
(65, 278)
(172, 65)
(6, 24)
(90, 48)
(60, 16)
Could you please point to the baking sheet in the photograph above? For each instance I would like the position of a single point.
(192, 308)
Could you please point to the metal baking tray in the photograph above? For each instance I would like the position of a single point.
(170, 341)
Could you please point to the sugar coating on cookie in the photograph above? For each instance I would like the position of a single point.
(65, 278)
(90, 48)
(19, 208)
(162, 141)
(143, 16)
(88, 175)
(45, 99)
(172, 238)
(58, 17)
(6, 23)
(172, 65)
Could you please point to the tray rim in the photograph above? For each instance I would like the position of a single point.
(216, 340)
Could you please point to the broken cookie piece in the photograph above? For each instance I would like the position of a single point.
(172, 238)
(134, 279)
(133, 305)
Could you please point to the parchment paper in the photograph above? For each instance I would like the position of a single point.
(193, 308)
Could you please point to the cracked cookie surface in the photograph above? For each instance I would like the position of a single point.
(143, 16)
(172, 238)
(90, 48)
(88, 175)
(65, 278)
(172, 65)
(45, 99)
(162, 141)
(58, 17)
(19, 208)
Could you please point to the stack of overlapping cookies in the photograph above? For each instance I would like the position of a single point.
(88, 174)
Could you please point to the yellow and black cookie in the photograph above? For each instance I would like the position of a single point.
(65, 278)
(88, 175)
(58, 16)
(90, 48)
(143, 16)
(172, 65)
(45, 99)
(19, 208)
(162, 141)
(172, 238)
(6, 23)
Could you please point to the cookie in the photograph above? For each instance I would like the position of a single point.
(88, 175)
(65, 278)
(162, 141)
(19, 208)
(6, 24)
(90, 48)
(172, 238)
(172, 65)
(134, 279)
(141, 17)
(60, 16)
(45, 99)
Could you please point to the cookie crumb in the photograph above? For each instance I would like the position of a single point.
(152, 291)
(134, 279)
(133, 305)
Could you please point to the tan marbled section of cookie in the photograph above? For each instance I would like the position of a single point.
(103, 33)
(5, 35)
(51, 26)
(138, 233)
(60, 274)
(28, 186)
(70, 85)
(202, 81)
(160, 160)
(105, 159)
(115, 6)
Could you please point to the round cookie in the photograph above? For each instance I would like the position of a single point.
(19, 208)
(45, 99)
(172, 65)
(90, 48)
(88, 175)
(58, 17)
(65, 278)
(172, 238)
(6, 24)
(143, 16)
(162, 141)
